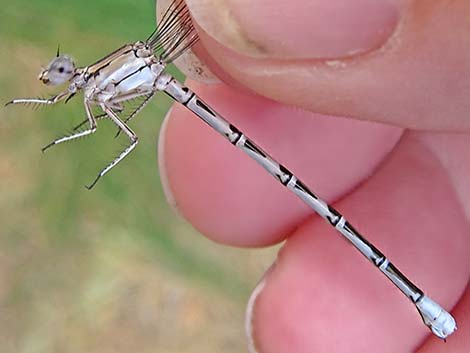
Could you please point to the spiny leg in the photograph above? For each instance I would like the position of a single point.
(97, 118)
(137, 110)
(132, 136)
(50, 101)
(90, 118)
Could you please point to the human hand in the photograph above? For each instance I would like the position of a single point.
(405, 189)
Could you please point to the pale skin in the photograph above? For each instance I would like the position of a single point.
(405, 188)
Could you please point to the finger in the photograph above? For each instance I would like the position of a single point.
(231, 199)
(448, 149)
(401, 62)
(322, 297)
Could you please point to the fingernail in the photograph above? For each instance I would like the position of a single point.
(162, 165)
(249, 331)
(297, 29)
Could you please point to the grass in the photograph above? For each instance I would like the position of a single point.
(112, 269)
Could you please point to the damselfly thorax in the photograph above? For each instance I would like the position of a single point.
(132, 71)
(138, 71)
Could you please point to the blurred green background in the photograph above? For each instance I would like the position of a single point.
(111, 270)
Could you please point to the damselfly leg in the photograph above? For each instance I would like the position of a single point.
(83, 122)
(137, 110)
(92, 129)
(40, 101)
(133, 143)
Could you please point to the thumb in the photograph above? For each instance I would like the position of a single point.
(401, 62)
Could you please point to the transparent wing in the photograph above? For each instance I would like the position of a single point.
(174, 34)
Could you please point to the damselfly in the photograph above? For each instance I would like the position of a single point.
(138, 70)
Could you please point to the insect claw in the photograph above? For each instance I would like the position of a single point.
(69, 97)
(89, 187)
(47, 146)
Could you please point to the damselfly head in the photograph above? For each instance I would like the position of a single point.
(60, 70)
